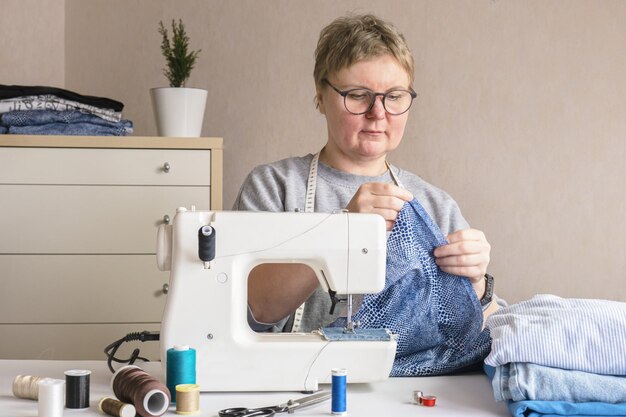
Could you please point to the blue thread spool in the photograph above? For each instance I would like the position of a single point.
(338, 402)
(181, 368)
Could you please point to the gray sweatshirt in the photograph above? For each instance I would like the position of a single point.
(281, 186)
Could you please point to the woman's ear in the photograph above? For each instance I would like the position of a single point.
(319, 102)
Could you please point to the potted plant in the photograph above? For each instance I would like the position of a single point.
(178, 110)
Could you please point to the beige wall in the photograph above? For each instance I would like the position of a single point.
(33, 42)
(520, 113)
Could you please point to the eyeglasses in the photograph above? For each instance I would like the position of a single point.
(361, 100)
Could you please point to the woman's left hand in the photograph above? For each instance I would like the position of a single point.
(467, 255)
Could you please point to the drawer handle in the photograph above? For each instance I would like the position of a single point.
(166, 288)
(166, 167)
(166, 219)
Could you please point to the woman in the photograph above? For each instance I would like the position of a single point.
(364, 83)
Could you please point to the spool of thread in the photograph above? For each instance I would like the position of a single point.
(417, 397)
(116, 408)
(425, 400)
(181, 368)
(188, 399)
(338, 401)
(206, 243)
(429, 400)
(50, 402)
(133, 385)
(77, 388)
(27, 386)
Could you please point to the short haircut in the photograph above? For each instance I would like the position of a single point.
(354, 38)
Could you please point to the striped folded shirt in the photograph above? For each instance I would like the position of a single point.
(580, 334)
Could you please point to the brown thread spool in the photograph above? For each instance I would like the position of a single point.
(133, 385)
(116, 408)
(187, 399)
(27, 386)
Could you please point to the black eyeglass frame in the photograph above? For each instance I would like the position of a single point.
(374, 95)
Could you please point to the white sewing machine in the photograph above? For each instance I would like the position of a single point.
(207, 300)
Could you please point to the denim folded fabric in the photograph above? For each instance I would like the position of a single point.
(3, 130)
(579, 334)
(530, 408)
(337, 333)
(42, 117)
(71, 129)
(528, 381)
(564, 408)
(436, 316)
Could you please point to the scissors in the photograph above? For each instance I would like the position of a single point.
(288, 407)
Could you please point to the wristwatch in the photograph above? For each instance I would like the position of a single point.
(488, 295)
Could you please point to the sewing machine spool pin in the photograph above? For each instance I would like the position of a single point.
(206, 245)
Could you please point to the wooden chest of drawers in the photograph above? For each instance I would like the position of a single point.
(78, 218)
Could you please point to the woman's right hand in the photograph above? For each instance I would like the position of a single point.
(380, 198)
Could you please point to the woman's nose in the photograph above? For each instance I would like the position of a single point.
(378, 110)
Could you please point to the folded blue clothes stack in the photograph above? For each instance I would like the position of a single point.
(559, 357)
(37, 110)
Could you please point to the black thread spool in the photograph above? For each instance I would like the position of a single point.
(206, 243)
(77, 388)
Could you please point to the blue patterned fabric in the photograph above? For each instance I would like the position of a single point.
(42, 117)
(437, 316)
(70, 129)
(68, 122)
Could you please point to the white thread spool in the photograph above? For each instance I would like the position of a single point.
(51, 396)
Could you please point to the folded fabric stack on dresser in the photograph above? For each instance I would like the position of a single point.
(35, 110)
(559, 357)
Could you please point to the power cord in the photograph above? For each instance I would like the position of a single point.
(130, 337)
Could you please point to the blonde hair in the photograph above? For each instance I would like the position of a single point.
(354, 38)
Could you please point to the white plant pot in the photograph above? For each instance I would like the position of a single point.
(179, 111)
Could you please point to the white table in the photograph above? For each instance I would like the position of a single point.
(463, 395)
